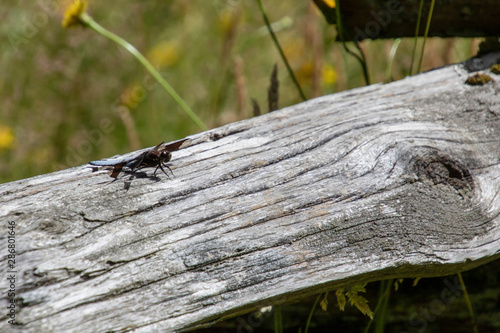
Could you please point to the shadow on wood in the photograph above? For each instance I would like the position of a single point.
(396, 180)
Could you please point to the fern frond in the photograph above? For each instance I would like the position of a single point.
(359, 301)
(324, 302)
(340, 298)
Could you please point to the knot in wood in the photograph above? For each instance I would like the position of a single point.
(439, 168)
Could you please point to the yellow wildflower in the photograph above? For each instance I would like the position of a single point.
(329, 3)
(329, 74)
(164, 54)
(306, 71)
(72, 16)
(132, 96)
(6, 137)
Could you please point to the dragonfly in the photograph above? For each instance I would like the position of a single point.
(153, 157)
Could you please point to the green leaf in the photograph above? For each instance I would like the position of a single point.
(359, 301)
(324, 302)
(340, 298)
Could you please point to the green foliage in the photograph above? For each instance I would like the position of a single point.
(415, 282)
(308, 323)
(341, 300)
(278, 319)
(468, 303)
(397, 282)
(426, 33)
(352, 294)
(278, 47)
(359, 57)
(324, 302)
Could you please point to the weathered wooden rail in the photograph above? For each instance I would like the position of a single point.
(396, 180)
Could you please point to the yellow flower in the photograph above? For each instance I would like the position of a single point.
(329, 3)
(329, 74)
(72, 16)
(295, 50)
(132, 96)
(228, 20)
(305, 72)
(164, 54)
(6, 137)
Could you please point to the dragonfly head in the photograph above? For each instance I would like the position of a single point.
(165, 156)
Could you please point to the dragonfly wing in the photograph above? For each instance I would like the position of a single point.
(134, 163)
(116, 170)
(109, 162)
(174, 146)
(157, 148)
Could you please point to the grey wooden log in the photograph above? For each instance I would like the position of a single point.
(394, 180)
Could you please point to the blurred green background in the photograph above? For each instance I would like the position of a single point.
(68, 96)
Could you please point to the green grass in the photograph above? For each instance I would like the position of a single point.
(69, 96)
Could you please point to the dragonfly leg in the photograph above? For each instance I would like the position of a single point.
(135, 170)
(166, 166)
(160, 167)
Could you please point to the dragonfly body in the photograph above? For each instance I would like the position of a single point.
(154, 157)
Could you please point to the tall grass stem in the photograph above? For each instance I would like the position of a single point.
(308, 323)
(89, 21)
(392, 55)
(277, 44)
(361, 58)
(426, 33)
(415, 41)
(469, 304)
